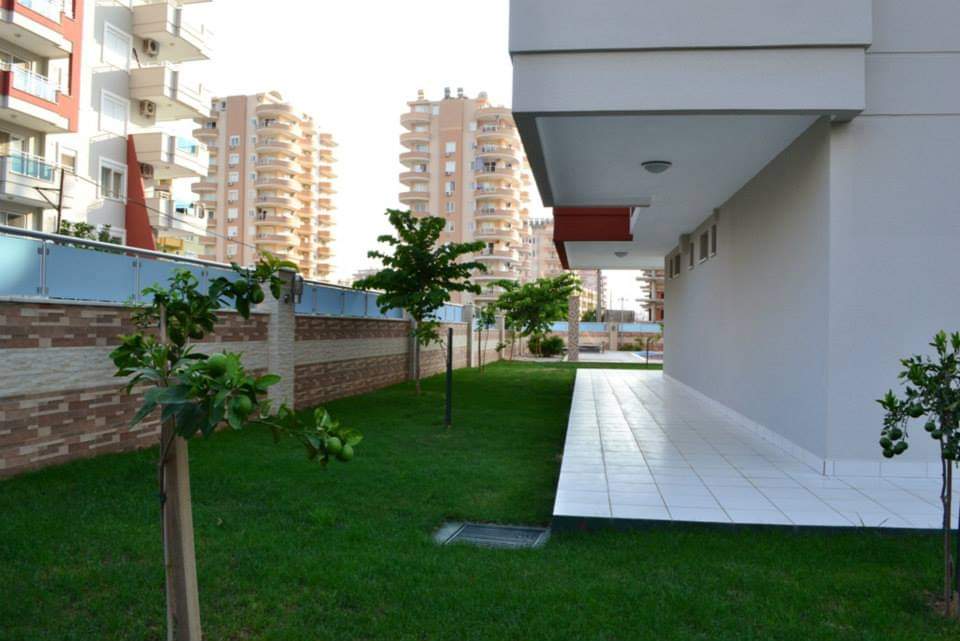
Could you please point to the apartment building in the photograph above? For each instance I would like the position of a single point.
(464, 162)
(792, 175)
(652, 300)
(91, 96)
(270, 184)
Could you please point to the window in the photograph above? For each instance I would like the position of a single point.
(690, 255)
(675, 265)
(253, 158)
(704, 246)
(234, 141)
(233, 195)
(117, 46)
(713, 239)
(420, 207)
(233, 159)
(449, 187)
(451, 207)
(233, 177)
(251, 212)
(113, 179)
(68, 160)
(450, 226)
(473, 125)
(232, 213)
(231, 249)
(450, 148)
(232, 231)
(435, 110)
(450, 167)
(114, 113)
(253, 175)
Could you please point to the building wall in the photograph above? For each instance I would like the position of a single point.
(748, 327)
(895, 221)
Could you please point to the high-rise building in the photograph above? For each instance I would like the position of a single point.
(652, 281)
(464, 162)
(270, 184)
(91, 94)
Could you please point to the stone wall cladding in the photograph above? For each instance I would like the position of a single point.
(58, 398)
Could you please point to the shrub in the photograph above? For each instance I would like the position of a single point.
(546, 345)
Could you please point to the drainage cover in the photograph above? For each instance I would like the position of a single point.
(492, 536)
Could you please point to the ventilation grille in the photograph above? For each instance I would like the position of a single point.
(492, 536)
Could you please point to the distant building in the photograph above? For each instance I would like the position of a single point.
(464, 162)
(651, 281)
(269, 185)
(544, 262)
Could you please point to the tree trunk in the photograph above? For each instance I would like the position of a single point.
(946, 496)
(179, 556)
(416, 365)
(183, 602)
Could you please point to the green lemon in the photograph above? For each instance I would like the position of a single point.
(346, 454)
(217, 365)
(256, 296)
(242, 406)
(334, 446)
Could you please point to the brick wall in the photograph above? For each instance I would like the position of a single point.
(60, 401)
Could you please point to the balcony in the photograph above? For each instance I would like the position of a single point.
(29, 99)
(496, 233)
(179, 40)
(410, 177)
(415, 155)
(171, 156)
(28, 24)
(205, 185)
(283, 163)
(414, 196)
(269, 144)
(276, 110)
(175, 93)
(277, 220)
(498, 255)
(491, 133)
(170, 216)
(496, 215)
(414, 118)
(284, 238)
(206, 133)
(494, 113)
(414, 138)
(499, 152)
(499, 172)
(497, 274)
(25, 179)
(495, 193)
(278, 201)
(283, 183)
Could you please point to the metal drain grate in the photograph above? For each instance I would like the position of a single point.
(492, 536)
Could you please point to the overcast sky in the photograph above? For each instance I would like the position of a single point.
(353, 66)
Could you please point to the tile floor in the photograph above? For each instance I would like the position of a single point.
(640, 446)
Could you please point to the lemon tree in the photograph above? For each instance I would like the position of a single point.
(195, 394)
(931, 396)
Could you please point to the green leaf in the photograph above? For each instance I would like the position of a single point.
(267, 380)
(144, 411)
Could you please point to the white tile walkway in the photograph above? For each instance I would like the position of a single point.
(640, 446)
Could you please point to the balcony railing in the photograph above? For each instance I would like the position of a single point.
(31, 82)
(47, 8)
(188, 146)
(30, 166)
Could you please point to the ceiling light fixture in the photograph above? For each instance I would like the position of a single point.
(657, 166)
(620, 254)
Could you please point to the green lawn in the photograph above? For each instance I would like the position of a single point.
(288, 551)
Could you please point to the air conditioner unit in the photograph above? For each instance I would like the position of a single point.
(151, 47)
(148, 108)
(146, 170)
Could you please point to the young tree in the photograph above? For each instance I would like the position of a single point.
(486, 318)
(530, 309)
(932, 393)
(420, 274)
(589, 316)
(195, 394)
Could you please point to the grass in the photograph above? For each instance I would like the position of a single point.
(287, 551)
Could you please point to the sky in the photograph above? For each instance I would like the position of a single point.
(353, 66)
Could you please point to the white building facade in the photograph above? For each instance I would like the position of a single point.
(794, 169)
